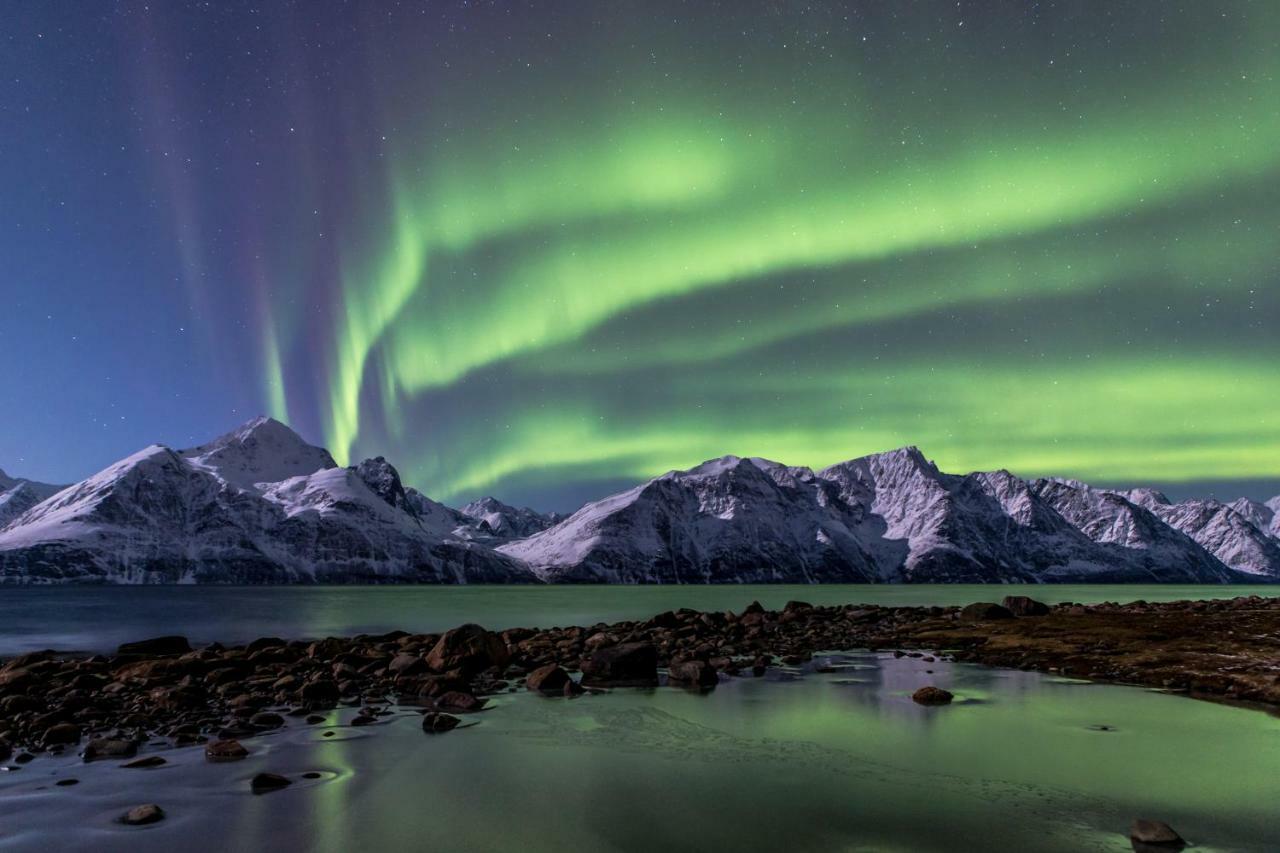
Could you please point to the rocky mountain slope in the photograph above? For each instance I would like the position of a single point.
(18, 495)
(260, 505)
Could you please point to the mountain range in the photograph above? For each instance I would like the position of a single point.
(260, 505)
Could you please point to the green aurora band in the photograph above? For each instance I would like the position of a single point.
(1059, 261)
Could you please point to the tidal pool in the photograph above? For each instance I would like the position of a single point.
(839, 760)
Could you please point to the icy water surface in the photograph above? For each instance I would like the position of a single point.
(100, 618)
(836, 761)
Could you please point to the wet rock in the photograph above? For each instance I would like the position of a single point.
(550, 679)
(468, 649)
(110, 748)
(149, 761)
(932, 696)
(320, 690)
(67, 783)
(266, 720)
(155, 646)
(693, 673)
(6, 749)
(315, 719)
(623, 665)
(1148, 834)
(23, 758)
(1022, 605)
(407, 664)
(264, 782)
(225, 750)
(434, 723)
(457, 700)
(981, 611)
(62, 734)
(142, 815)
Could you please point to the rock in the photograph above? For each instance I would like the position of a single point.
(103, 747)
(61, 734)
(155, 646)
(932, 696)
(266, 720)
(623, 665)
(149, 761)
(320, 690)
(407, 664)
(982, 611)
(141, 815)
(693, 673)
(469, 649)
(457, 700)
(6, 749)
(67, 783)
(1155, 833)
(434, 723)
(315, 719)
(225, 750)
(550, 680)
(1022, 605)
(264, 782)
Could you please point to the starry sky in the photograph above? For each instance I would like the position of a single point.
(545, 249)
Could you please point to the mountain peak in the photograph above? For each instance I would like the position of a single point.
(260, 450)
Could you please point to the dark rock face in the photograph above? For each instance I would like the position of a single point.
(550, 679)
(468, 649)
(1154, 834)
(156, 646)
(434, 723)
(142, 815)
(264, 782)
(693, 673)
(623, 665)
(981, 611)
(1022, 605)
(932, 696)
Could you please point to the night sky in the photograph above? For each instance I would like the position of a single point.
(542, 249)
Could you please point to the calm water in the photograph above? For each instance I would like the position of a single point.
(100, 618)
(796, 762)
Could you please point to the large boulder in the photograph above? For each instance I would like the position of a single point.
(156, 646)
(693, 673)
(469, 649)
(982, 611)
(623, 665)
(932, 696)
(1022, 605)
(1154, 834)
(550, 680)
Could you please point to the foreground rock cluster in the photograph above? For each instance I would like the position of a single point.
(163, 691)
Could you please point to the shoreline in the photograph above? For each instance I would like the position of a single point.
(163, 692)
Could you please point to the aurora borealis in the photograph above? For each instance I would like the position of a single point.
(539, 248)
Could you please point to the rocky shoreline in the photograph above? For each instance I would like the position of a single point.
(161, 692)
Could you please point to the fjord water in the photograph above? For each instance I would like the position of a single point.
(797, 761)
(99, 618)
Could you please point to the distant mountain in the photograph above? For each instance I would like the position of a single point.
(208, 515)
(260, 505)
(491, 517)
(889, 517)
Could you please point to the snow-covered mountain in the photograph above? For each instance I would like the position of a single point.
(260, 505)
(212, 514)
(889, 517)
